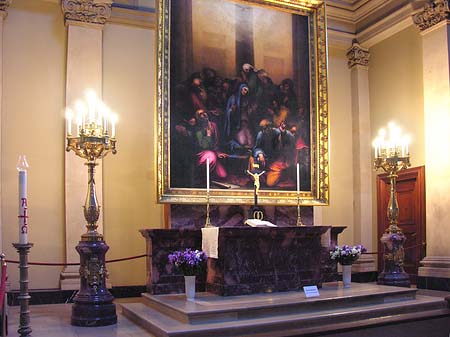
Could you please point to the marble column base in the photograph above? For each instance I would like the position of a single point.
(434, 273)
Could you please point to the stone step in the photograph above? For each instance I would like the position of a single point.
(207, 306)
(271, 321)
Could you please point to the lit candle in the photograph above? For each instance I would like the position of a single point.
(69, 116)
(91, 98)
(207, 175)
(103, 111)
(79, 123)
(298, 178)
(22, 167)
(113, 126)
(80, 107)
(100, 118)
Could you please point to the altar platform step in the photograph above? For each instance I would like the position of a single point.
(362, 306)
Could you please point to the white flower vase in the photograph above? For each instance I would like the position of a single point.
(347, 275)
(189, 287)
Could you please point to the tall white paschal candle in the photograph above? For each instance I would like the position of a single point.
(298, 178)
(22, 167)
(207, 175)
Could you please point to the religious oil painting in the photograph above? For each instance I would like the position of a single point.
(242, 90)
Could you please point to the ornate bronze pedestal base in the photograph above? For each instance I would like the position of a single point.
(93, 304)
(393, 273)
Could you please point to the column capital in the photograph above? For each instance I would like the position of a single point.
(86, 11)
(357, 55)
(4, 4)
(433, 12)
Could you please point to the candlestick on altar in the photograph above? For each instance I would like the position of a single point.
(299, 216)
(208, 219)
(207, 175)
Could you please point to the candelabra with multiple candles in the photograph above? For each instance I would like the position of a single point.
(392, 156)
(94, 138)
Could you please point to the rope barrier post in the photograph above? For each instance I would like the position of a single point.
(24, 298)
(3, 303)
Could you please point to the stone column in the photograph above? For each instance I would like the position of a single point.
(4, 4)
(433, 22)
(84, 20)
(358, 62)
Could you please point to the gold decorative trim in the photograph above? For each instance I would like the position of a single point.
(319, 192)
(358, 55)
(433, 13)
(87, 11)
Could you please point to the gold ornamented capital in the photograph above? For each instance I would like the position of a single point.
(434, 12)
(358, 55)
(4, 4)
(87, 11)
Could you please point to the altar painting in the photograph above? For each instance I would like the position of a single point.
(242, 86)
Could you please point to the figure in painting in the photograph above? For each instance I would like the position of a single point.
(207, 144)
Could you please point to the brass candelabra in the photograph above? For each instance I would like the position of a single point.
(93, 304)
(392, 156)
(92, 142)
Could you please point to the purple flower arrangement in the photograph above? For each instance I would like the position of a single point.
(190, 262)
(347, 255)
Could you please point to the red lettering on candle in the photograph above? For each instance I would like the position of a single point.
(24, 229)
(24, 202)
(24, 216)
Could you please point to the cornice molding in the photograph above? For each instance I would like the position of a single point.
(374, 25)
(433, 13)
(358, 55)
(133, 17)
(86, 11)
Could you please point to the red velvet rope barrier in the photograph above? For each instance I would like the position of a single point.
(3, 285)
(77, 264)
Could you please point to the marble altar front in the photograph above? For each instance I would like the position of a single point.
(251, 260)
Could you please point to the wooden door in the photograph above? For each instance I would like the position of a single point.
(411, 203)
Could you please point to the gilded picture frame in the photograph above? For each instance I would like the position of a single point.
(242, 86)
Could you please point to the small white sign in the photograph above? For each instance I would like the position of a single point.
(311, 291)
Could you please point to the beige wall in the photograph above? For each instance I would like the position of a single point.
(340, 210)
(396, 88)
(33, 124)
(129, 176)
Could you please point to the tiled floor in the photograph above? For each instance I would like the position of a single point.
(53, 320)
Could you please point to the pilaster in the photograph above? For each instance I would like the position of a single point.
(84, 20)
(4, 5)
(433, 22)
(358, 62)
